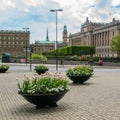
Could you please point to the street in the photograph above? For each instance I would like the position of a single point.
(15, 67)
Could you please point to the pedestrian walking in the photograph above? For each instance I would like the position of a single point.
(61, 62)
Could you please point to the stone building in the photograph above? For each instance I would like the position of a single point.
(17, 43)
(96, 34)
(47, 45)
(65, 34)
(14, 42)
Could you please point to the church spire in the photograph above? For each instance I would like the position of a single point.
(47, 37)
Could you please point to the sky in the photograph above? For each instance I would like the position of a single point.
(36, 15)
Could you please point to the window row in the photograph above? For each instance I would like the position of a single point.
(103, 50)
(11, 37)
(11, 46)
(11, 42)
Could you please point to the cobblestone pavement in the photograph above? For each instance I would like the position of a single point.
(97, 99)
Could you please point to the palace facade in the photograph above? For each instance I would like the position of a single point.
(17, 43)
(98, 35)
(14, 42)
(43, 46)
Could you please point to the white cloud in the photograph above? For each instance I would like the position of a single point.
(35, 14)
(33, 2)
(115, 2)
(6, 4)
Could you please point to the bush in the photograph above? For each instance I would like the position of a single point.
(75, 58)
(37, 56)
(74, 50)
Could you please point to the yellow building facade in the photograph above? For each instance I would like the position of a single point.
(14, 42)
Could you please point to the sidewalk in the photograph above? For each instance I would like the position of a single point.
(97, 99)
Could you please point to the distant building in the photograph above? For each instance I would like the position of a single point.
(47, 45)
(14, 42)
(96, 34)
(65, 34)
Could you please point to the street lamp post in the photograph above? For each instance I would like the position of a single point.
(26, 46)
(31, 51)
(56, 42)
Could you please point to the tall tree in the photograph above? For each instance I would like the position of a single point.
(115, 44)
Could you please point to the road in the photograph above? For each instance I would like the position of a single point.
(26, 68)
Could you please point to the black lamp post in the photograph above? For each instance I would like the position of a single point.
(56, 42)
(91, 55)
(31, 51)
(91, 52)
(26, 46)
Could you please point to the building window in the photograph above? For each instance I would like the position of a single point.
(4, 37)
(9, 37)
(4, 42)
(22, 38)
(113, 33)
(9, 42)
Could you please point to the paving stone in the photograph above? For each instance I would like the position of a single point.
(97, 99)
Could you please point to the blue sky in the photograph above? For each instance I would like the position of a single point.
(35, 14)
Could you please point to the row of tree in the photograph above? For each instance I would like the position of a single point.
(115, 45)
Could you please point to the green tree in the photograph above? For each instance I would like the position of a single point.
(115, 44)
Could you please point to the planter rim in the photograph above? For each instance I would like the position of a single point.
(79, 75)
(36, 94)
(41, 69)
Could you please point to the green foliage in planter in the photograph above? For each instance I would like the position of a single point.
(4, 66)
(45, 84)
(41, 67)
(81, 70)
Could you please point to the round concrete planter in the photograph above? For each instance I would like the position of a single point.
(43, 100)
(79, 79)
(3, 70)
(40, 71)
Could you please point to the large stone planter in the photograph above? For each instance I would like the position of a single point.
(3, 70)
(41, 71)
(42, 100)
(79, 79)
